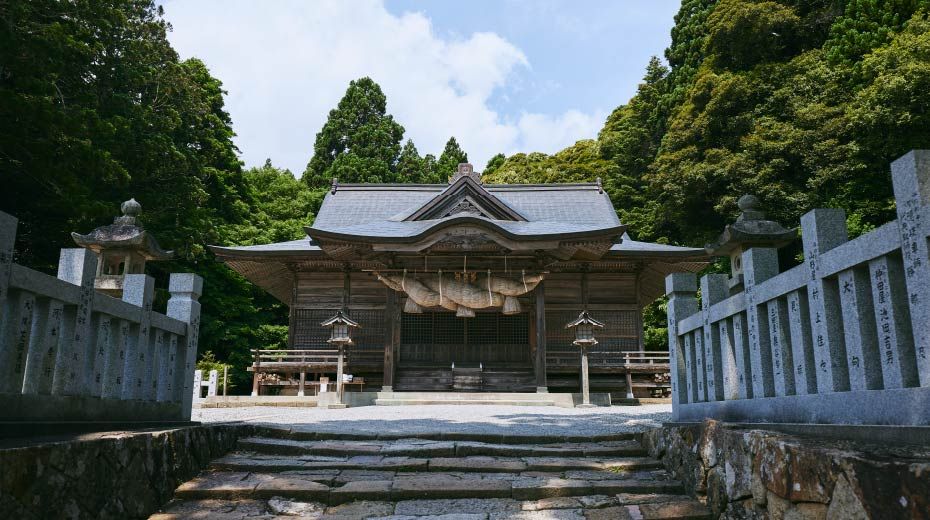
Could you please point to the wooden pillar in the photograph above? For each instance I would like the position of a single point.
(541, 385)
(339, 371)
(629, 384)
(585, 381)
(392, 337)
(300, 387)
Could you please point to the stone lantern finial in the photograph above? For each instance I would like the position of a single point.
(131, 209)
(751, 229)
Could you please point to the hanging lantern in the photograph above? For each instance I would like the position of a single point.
(340, 325)
(584, 326)
(412, 307)
(511, 306)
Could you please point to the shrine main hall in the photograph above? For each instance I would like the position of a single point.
(466, 285)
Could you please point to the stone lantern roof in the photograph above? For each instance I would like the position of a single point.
(124, 234)
(751, 229)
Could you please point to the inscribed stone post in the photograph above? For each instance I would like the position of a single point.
(713, 290)
(782, 362)
(896, 344)
(7, 239)
(911, 177)
(700, 372)
(77, 266)
(823, 230)
(139, 290)
(185, 289)
(740, 339)
(103, 346)
(198, 384)
(15, 342)
(680, 287)
(759, 264)
(802, 347)
(859, 328)
(40, 362)
(168, 391)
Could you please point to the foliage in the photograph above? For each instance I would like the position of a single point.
(448, 163)
(359, 142)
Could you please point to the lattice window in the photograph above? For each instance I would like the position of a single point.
(368, 339)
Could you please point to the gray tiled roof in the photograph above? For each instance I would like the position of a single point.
(303, 245)
(630, 246)
(379, 210)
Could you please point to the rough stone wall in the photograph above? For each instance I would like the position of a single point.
(743, 473)
(113, 475)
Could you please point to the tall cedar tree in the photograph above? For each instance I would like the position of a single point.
(360, 141)
(452, 156)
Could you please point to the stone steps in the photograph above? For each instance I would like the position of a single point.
(421, 402)
(313, 474)
(251, 462)
(429, 448)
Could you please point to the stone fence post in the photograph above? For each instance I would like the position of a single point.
(680, 288)
(910, 175)
(77, 266)
(185, 289)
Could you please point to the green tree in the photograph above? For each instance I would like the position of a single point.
(494, 163)
(360, 141)
(410, 166)
(449, 161)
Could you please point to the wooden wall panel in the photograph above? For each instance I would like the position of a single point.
(612, 288)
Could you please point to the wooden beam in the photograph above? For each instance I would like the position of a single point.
(540, 292)
(393, 322)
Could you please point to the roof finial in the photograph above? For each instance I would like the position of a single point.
(465, 170)
(334, 185)
(600, 186)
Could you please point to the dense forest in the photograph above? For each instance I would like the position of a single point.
(801, 102)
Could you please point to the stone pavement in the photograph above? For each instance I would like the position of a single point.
(479, 419)
(300, 473)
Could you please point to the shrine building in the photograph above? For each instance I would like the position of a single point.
(466, 285)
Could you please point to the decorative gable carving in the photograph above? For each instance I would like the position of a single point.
(466, 197)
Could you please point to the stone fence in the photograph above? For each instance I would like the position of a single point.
(843, 338)
(70, 353)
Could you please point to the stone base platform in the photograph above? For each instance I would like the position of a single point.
(749, 472)
(490, 398)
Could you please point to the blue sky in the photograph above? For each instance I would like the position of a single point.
(501, 75)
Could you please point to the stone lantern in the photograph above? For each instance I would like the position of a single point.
(340, 327)
(584, 326)
(122, 248)
(751, 229)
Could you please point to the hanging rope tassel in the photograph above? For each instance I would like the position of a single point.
(440, 287)
(523, 277)
(490, 298)
(403, 280)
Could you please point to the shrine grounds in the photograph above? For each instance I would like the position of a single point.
(477, 419)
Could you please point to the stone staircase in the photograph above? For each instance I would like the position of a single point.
(282, 473)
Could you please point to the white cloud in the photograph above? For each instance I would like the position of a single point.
(286, 64)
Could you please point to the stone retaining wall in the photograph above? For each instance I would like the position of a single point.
(110, 475)
(747, 473)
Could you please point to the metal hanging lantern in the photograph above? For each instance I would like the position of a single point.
(511, 306)
(584, 326)
(340, 326)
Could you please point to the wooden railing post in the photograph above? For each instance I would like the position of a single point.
(255, 378)
(185, 289)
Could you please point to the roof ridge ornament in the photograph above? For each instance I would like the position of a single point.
(465, 170)
(600, 186)
(334, 185)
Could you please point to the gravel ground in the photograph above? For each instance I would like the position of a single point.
(518, 420)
